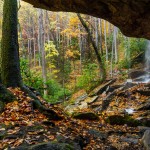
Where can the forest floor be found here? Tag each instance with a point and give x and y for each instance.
(21, 126)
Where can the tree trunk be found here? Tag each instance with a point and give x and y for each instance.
(100, 35)
(80, 47)
(99, 59)
(115, 44)
(96, 33)
(41, 48)
(10, 68)
(106, 41)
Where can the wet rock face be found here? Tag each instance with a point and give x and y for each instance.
(131, 16)
(146, 140)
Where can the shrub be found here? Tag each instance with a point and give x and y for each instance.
(32, 79)
(89, 77)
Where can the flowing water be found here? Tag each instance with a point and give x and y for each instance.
(145, 78)
(147, 63)
(147, 57)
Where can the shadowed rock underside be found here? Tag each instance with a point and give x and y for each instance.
(131, 16)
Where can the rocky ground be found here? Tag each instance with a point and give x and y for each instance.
(113, 116)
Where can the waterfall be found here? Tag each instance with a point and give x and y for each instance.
(145, 77)
(147, 57)
(147, 62)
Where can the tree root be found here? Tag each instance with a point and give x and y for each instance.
(5, 97)
(51, 114)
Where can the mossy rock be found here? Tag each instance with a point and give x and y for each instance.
(145, 122)
(121, 120)
(48, 146)
(35, 128)
(85, 116)
(2, 134)
(1, 106)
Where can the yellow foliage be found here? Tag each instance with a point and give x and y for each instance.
(73, 28)
(69, 54)
(74, 21)
(72, 53)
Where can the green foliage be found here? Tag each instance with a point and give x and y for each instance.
(125, 64)
(29, 77)
(89, 77)
(132, 48)
(137, 46)
(55, 91)
(33, 79)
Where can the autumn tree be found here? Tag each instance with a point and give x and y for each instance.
(41, 40)
(10, 66)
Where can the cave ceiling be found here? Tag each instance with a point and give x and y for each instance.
(132, 17)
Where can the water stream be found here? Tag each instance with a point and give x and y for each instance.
(147, 63)
(145, 78)
(147, 57)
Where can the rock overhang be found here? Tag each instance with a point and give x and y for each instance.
(131, 16)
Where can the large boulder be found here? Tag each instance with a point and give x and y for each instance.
(85, 116)
(146, 139)
(121, 120)
(49, 146)
(136, 74)
(101, 88)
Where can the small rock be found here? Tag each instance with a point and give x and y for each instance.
(136, 73)
(144, 92)
(85, 116)
(81, 98)
(82, 141)
(48, 146)
(91, 100)
(145, 106)
(83, 105)
(76, 142)
(112, 88)
(111, 148)
(71, 109)
(2, 134)
(49, 123)
(130, 140)
(128, 85)
(11, 136)
(98, 134)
